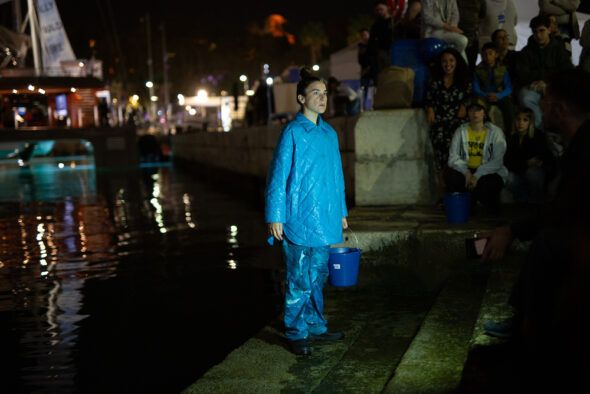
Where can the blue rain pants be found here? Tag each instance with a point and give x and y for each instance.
(307, 271)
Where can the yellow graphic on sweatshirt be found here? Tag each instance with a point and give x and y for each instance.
(475, 143)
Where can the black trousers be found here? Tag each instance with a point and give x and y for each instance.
(487, 190)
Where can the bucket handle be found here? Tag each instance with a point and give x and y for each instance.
(355, 237)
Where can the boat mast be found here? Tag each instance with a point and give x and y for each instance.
(35, 36)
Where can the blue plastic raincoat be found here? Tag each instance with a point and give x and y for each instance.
(305, 192)
(305, 187)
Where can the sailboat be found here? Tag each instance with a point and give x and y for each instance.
(59, 91)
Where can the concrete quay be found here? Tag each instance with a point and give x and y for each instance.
(412, 324)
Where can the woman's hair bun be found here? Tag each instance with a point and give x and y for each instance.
(304, 73)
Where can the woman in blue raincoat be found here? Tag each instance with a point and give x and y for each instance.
(305, 208)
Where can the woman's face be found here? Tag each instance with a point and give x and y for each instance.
(448, 63)
(316, 96)
(522, 123)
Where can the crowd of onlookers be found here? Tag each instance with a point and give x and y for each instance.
(486, 123)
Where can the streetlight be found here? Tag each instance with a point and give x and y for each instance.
(244, 80)
(315, 67)
(152, 111)
(269, 82)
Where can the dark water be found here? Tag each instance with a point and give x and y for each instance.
(134, 281)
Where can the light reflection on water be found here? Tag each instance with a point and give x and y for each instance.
(127, 266)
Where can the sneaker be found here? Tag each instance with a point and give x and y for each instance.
(499, 329)
(300, 347)
(328, 336)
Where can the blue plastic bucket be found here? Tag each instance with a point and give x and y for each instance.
(343, 266)
(457, 206)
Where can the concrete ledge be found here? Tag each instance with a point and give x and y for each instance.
(393, 158)
(249, 151)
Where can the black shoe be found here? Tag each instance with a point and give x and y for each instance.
(328, 336)
(300, 347)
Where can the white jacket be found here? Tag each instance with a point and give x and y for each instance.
(435, 13)
(494, 148)
(500, 14)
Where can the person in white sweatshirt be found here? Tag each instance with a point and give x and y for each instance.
(476, 158)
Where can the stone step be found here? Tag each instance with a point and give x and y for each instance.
(486, 369)
(409, 326)
(434, 360)
(379, 325)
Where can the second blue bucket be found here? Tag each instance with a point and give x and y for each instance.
(343, 266)
(457, 206)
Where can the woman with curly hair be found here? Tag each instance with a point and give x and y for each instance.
(447, 91)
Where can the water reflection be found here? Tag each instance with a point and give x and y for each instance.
(107, 278)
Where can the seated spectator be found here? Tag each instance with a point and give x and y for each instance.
(506, 56)
(471, 12)
(528, 160)
(540, 58)
(447, 91)
(410, 25)
(342, 99)
(564, 12)
(440, 19)
(492, 82)
(555, 33)
(476, 158)
(500, 14)
(380, 38)
(364, 60)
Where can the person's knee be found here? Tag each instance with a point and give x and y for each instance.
(535, 175)
(460, 42)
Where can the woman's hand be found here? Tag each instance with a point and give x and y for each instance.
(276, 230)
(344, 224)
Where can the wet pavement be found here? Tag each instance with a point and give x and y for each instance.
(411, 323)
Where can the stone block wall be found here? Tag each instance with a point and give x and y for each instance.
(386, 155)
(393, 158)
(249, 151)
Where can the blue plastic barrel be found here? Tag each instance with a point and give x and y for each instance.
(343, 266)
(405, 53)
(457, 206)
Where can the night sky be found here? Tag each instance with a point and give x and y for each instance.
(191, 27)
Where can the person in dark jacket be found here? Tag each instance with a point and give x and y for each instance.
(409, 26)
(506, 56)
(528, 159)
(552, 298)
(380, 38)
(471, 12)
(540, 58)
